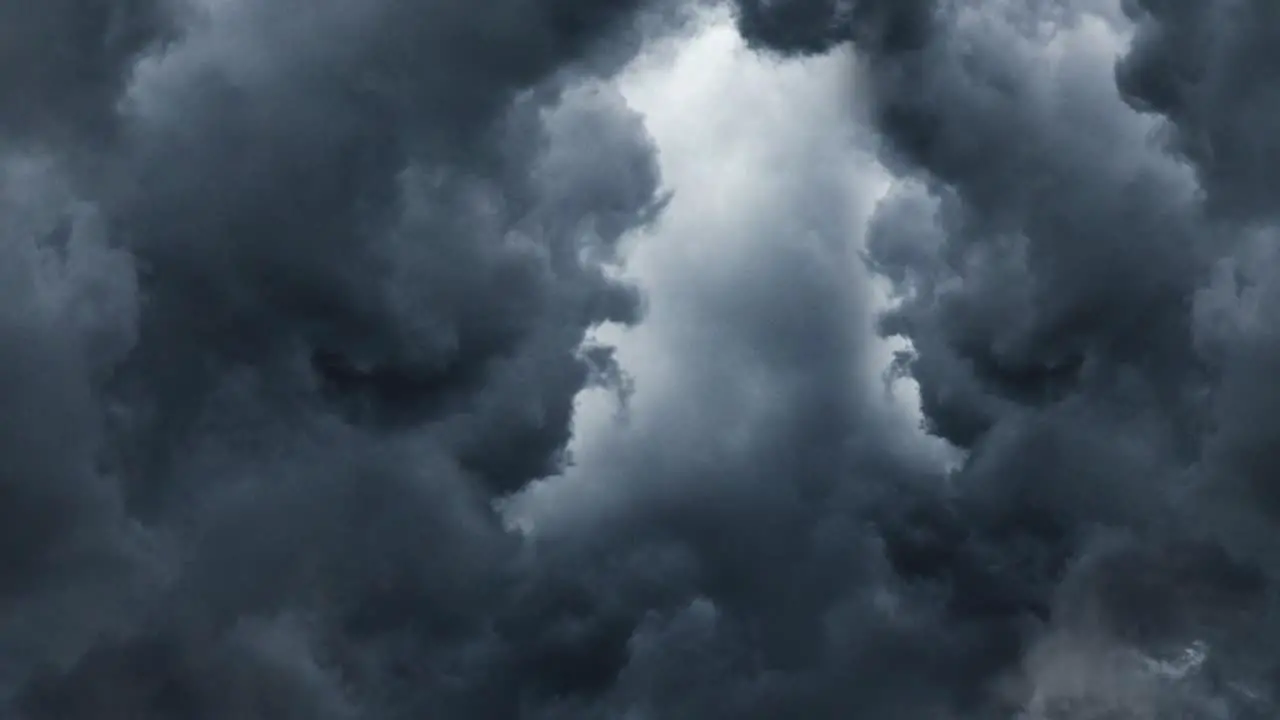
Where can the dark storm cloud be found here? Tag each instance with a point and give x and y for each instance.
(325, 206)
(1207, 72)
(65, 62)
(1073, 327)
(314, 299)
(817, 25)
(1207, 69)
(292, 292)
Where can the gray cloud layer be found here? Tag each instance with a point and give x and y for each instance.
(294, 292)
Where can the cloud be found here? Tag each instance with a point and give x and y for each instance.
(66, 62)
(1074, 293)
(778, 483)
(278, 335)
(377, 360)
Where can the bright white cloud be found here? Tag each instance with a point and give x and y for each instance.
(751, 146)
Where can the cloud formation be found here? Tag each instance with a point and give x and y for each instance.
(1066, 247)
(307, 292)
(302, 302)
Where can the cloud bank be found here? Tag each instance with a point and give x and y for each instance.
(316, 317)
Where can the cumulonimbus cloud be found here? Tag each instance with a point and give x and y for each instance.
(294, 292)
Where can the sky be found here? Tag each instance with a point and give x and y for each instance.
(639, 360)
(742, 140)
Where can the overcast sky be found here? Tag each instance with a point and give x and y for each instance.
(639, 360)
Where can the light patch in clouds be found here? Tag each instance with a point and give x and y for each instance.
(746, 142)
